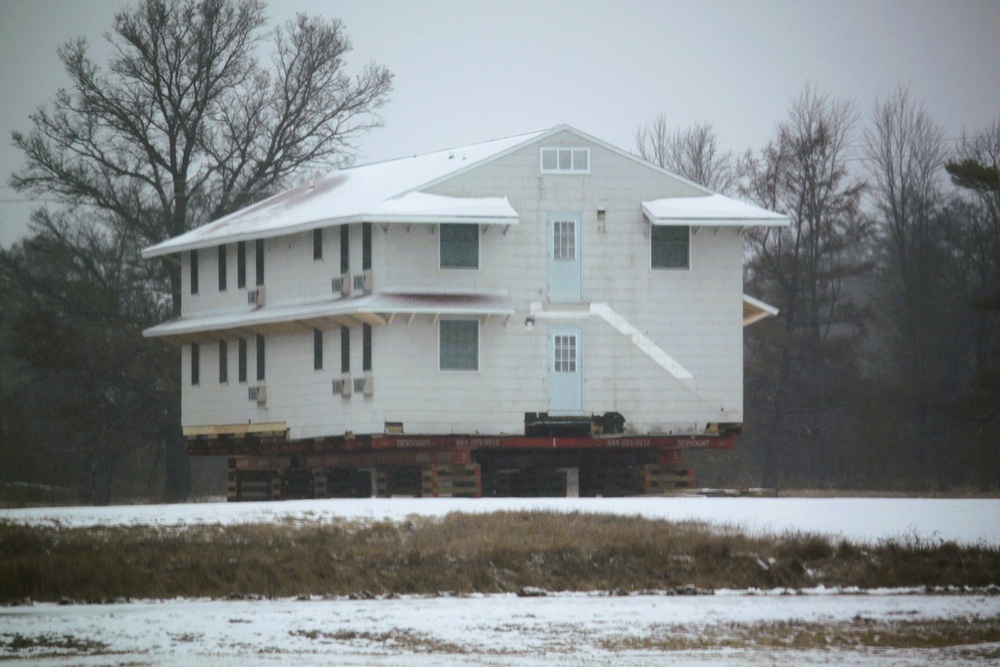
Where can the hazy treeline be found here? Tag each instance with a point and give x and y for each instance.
(882, 369)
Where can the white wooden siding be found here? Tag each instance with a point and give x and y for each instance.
(695, 316)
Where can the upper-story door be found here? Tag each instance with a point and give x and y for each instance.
(565, 260)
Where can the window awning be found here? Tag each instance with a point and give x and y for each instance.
(755, 310)
(710, 211)
(375, 309)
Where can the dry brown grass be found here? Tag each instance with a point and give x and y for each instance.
(462, 554)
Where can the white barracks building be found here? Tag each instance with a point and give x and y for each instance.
(455, 292)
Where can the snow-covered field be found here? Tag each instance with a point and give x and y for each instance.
(861, 519)
(571, 630)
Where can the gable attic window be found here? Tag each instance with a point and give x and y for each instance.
(565, 160)
(459, 246)
(670, 247)
(458, 345)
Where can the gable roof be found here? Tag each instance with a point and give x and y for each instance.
(390, 192)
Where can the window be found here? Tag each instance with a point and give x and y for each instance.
(223, 362)
(317, 349)
(459, 345)
(366, 246)
(243, 359)
(260, 358)
(195, 364)
(241, 265)
(564, 240)
(222, 268)
(345, 249)
(194, 272)
(565, 161)
(345, 350)
(459, 246)
(366, 347)
(565, 353)
(259, 260)
(670, 247)
(317, 244)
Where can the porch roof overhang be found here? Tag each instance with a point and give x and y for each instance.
(755, 310)
(709, 211)
(414, 208)
(375, 309)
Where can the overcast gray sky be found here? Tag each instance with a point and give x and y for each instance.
(480, 69)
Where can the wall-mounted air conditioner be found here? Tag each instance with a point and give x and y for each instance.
(342, 285)
(342, 387)
(256, 297)
(364, 282)
(259, 394)
(364, 385)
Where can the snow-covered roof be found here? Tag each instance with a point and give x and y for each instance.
(382, 192)
(714, 210)
(376, 309)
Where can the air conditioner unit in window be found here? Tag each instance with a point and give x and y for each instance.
(255, 297)
(342, 285)
(342, 387)
(364, 282)
(259, 394)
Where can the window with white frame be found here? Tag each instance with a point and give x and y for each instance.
(459, 345)
(565, 160)
(564, 351)
(459, 246)
(670, 247)
(564, 240)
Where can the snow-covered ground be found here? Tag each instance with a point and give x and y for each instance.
(571, 630)
(861, 519)
(555, 631)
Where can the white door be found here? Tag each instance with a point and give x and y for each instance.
(565, 370)
(564, 261)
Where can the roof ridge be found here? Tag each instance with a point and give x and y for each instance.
(445, 150)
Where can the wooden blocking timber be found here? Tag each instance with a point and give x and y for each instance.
(462, 480)
(380, 486)
(659, 478)
(253, 485)
(320, 479)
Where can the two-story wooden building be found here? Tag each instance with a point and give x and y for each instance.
(413, 314)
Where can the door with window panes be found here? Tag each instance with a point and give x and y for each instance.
(564, 262)
(565, 374)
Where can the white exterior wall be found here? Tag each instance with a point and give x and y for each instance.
(694, 315)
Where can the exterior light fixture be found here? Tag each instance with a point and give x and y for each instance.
(529, 323)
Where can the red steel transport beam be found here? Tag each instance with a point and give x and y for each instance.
(411, 443)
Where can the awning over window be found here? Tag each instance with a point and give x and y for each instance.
(711, 210)
(376, 309)
(755, 310)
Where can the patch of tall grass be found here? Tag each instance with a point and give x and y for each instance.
(462, 554)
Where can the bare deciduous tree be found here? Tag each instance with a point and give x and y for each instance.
(905, 151)
(693, 153)
(185, 124)
(807, 269)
